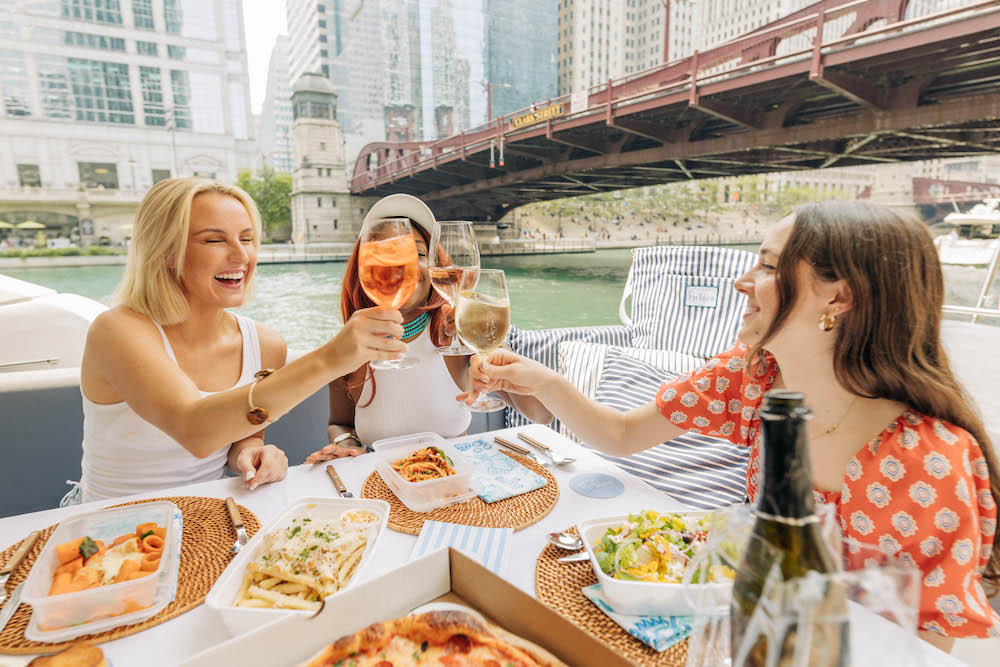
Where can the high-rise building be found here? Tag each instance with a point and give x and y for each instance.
(417, 70)
(99, 99)
(275, 136)
(609, 39)
(521, 53)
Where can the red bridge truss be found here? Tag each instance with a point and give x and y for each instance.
(874, 88)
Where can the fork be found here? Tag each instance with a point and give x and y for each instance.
(241, 533)
(523, 451)
(557, 459)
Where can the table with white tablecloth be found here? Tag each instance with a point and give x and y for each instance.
(182, 637)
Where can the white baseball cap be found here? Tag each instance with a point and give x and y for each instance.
(406, 206)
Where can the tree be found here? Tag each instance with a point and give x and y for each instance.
(272, 191)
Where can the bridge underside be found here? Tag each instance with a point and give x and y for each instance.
(923, 94)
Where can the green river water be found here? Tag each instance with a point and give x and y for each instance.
(302, 301)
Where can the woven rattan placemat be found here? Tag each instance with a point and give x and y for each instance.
(205, 543)
(558, 585)
(517, 512)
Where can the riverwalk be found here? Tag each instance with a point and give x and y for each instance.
(340, 252)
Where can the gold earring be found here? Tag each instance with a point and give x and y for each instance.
(826, 322)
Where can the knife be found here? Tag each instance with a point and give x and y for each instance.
(12, 604)
(572, 558)
(335, 478)
(15, 561)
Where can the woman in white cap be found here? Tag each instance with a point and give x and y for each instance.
(368, 404)
(171, 380)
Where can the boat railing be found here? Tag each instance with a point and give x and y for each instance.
(980, 309)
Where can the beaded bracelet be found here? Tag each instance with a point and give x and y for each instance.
(257, 416)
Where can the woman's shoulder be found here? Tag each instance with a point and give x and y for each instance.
(930, 443)
(118, 322)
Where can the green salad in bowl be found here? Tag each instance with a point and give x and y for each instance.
(656, 547)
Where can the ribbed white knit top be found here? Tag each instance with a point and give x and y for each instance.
(412, 400)
(124, 454)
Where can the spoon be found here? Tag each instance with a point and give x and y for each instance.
(567, 541)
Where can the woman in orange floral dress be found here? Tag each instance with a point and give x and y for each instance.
(844, 304)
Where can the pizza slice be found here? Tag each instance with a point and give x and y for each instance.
(448, 638)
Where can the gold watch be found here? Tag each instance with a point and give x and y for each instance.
(348, 436)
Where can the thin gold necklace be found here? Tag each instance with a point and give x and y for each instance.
(839, 422)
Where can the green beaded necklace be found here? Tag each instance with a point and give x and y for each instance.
(415, 326)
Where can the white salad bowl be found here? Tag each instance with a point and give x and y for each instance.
(647, 598)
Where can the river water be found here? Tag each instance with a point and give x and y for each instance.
(302, 301)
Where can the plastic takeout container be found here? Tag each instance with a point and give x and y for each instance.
(239, 620)
(57, 618)
(429, 494)
(645, 598)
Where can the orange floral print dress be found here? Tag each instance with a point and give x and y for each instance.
(919, 490)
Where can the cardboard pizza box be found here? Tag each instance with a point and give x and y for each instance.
(444, 574)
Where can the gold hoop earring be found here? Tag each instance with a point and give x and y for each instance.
(827, 321)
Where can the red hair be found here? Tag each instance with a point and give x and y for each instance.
(354, 298)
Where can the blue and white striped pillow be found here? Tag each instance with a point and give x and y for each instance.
(683, 298)
(543, 345)
(701, 471)
(582, 363)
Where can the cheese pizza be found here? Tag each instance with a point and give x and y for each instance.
(449, 638)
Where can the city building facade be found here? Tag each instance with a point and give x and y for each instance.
(322, 209)
(100, 99)
(275, 132)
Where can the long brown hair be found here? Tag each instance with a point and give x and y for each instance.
(888, 345)
(353, 298)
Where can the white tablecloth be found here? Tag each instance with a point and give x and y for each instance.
(177, 639)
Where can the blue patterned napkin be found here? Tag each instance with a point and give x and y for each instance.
(497, 476)
(490, 547)
(657, 632)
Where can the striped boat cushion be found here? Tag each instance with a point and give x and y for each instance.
(698, 470)
(582, 363)
(683, 298)
(543, 345)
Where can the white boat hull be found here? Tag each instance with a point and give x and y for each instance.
(967, 252)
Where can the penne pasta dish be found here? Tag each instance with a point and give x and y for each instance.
(304, 562)
(423, 464)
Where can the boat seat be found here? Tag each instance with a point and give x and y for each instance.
(684, 311)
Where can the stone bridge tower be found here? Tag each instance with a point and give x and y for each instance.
(322, 209)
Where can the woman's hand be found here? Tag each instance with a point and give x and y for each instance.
(261, 464)
(333, 451)
(448, 324)
(505, 371)
(370, 334)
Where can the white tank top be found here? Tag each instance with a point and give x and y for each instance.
(124, 454)
(413, 400)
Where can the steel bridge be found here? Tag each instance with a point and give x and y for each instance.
(873, 88)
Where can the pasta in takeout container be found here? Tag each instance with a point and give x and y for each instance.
(118, 593)
(424, 495)
(315, 548)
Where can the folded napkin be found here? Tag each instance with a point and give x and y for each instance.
(490, 547)
(657, 632)
(497, 476)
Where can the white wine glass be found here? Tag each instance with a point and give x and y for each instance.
(454, 266)
(483, 320)
(389, 270)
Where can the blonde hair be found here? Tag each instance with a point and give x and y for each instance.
(150, 285)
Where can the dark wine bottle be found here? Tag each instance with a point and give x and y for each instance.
(787, 532)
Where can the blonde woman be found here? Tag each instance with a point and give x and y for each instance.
(170, 395)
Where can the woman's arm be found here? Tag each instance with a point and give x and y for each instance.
(933, 638)
(250, 458)
(600, 426)
(341, 421)
(124, 350)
